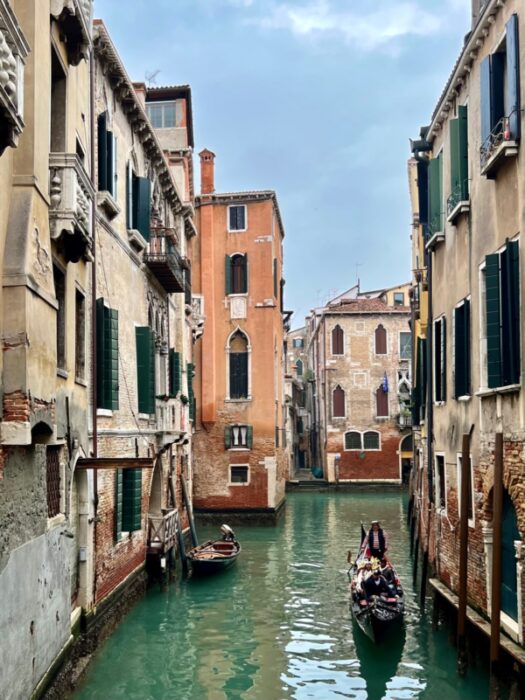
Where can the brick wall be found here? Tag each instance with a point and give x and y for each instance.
(369, 465)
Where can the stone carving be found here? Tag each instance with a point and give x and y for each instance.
(41, 260)
(238, 307)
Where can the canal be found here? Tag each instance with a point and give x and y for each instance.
(278, 624)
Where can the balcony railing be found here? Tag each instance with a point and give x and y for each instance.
(165, 261)
(404, 420)
(74, 17)
(71, 195)
(500, 142)
(458, 201)
(167, 416)
(13, 51)
(162, 532)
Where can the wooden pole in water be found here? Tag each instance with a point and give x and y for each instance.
(497, 517)
(189, 510)
(463, 553)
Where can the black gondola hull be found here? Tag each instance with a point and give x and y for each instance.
(205, 561)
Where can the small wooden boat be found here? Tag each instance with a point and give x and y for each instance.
(215, 555)
(377, 615)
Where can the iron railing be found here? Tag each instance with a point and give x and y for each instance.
(458, 194)
(501, 133)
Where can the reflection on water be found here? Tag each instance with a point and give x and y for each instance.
(278, 625)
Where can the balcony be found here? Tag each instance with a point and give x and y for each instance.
(74, 18)
(168, 420)
(404, 421)
(434, 233)
(13, 51)
(71, 195)
(162, 532)
(165, 261)
(458, 203)
(497, 147)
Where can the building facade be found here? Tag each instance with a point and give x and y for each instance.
(239, 455)
(467, 183)
(297, 414)
(359, 351)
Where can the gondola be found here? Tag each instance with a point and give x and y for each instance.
(378, 616)
(215, 555)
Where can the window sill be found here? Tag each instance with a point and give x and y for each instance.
(439, 403)
(464, 399)
(237, 483)
(146, 416)
(106, 202)
(433, 241)
(238, 449)
(62, 373)
(237, 230)
(244, 400)
(107, 412)
(506, 149)
(56, 520)
(462, 207)
(137, 240)
(509, 389)
(81, 381)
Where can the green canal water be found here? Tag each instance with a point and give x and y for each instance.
(278, 624)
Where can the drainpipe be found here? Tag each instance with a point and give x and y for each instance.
(94, 314)
(497, 515)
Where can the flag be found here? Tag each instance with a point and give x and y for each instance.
(384, 384)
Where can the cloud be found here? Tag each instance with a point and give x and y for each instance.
(366, 30)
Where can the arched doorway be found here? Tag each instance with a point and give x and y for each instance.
(509, 573)
(406, 457)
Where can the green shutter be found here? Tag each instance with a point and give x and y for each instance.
(191, 396)
(443, 354)
(100, 353)
(435, 195)
(245, 269)
(132, 500)
(145, 369)
(510, 313)
(466, 342)
(102, 152)
(249, 436)
(227, 437)
(175, 372)
(107, 357)
(227, 275)
(142, 206)
(462, 350)
(459, 156)
(118, 504)
(492, 293)
(513, 78)
(111, 155)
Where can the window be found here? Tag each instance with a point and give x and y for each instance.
(60, 294)
(298, 343)
(238, 436)
(405, 345)
(191, 396)
(502, 316)
(238, 366)
(420, 386)
(53, 481)
(353, 440)
(58, 105)
(145, 347)
(380, 340)
(382, 410)
(462, 349)
(371, 440)
(399, 299)
(237, 218)
(459, 189)
(338, 341)
(440, 482)
(107, 356)
(128, 501)
(435, 196)
(107, 157)
(162, 115)
(138, 203)
(80, 334)
(440, 359)
(275, 278)
(236, 274)
(238, 474)
(175, 372)
(338, 403)
(470, 490)
(500, 94)
(299, 368)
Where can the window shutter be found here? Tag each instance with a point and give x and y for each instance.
(249, 436)
(435, 195)
(142, 206)
(129, 196)
(191, 396)
(338, 402)
(233, 218)
(228, 273)
(380, 340)
(459, 351)
(245, 274)
(381, 403)
(485, 99)
(241, 217)
(459, 155)
(422, 186)
(275, 285)
(145, 369)
(100, 354)
(227, 437)
(102, 152)
(466, 345)
(114, 163)
(437, 361)
(132, 500)
(175, 372)
(118, 504)
(492, 287)
(107, 357)
(112, 360)
(510, 315)
(513, 78)
(110, 166)
(443, 354)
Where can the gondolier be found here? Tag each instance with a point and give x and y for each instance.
(376, 540)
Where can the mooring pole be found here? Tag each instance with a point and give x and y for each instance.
(497, 517)
(189, 511)
(463, 553)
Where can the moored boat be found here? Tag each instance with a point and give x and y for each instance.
(215, 555)
(376, 614)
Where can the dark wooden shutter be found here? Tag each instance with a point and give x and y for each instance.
(249, 436)
(142, 206)
(129, 197)
(191, 395)
(145, 369)
(245, 273)
(497, 87)
(107, 357)
(513, 78)
(492, 294)
(102, 152)
(443, 354)
(118, 503)
(510, 313)
(227, 274)
(437, 361)
(175, 372)
(485, 101)
(380, 340)
(338, 402)
(422, 187)
(110, 165)
(337, 341)
(132, 500)
(459, 155)
(238, 375)
(381, 402)
(275, 280)
(462, 349)
(435, 195)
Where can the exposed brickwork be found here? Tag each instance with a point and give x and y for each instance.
(368, 465)
(17, 406)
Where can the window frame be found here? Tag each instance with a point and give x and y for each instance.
(362, 448)
(343, 338)
(163, 104)
(442, 508)
(239, 483)
(235, 206)
(338, 386)
(380, 354)
(409, 333)
(442, 398)
(396, 301)
(465, 396)
(372, 449)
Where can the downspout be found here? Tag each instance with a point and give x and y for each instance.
(94, 398)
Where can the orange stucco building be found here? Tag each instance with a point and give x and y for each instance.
(237, 268)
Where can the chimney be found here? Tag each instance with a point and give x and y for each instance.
(140, 91)
(207, 171)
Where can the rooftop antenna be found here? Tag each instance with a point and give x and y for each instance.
(357, 266)
(151, 77)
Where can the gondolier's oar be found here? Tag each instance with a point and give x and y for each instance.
(189, 511)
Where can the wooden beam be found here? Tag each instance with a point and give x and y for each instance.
(116, 463)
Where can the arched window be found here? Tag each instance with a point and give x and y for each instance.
(353, 440)
(299, 368)
(380, 337)
(381, 402)
(371, 440)
(406, 444)
(236, 273)
(338, 402)
(338, 341)
(238, 366)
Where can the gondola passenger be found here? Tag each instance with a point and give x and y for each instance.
(376, 585)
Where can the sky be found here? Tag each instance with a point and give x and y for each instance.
(315, 99)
